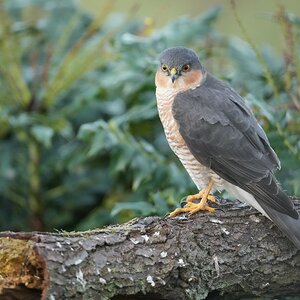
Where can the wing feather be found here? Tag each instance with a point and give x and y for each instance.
(223, 134)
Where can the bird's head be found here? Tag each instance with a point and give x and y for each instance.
(179, 68)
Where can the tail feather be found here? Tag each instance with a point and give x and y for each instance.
(288, 221)
(288, 225)
(269, 192)
(278, 207)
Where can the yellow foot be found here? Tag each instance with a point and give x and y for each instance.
(199, 196)
(192, 207)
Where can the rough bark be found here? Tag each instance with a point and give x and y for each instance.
(231, 254)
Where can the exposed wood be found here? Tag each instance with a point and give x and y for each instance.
(235, 253)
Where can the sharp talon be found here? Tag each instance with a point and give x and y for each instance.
(190, 206)
(220, 209)
(183, 202)
(206, 207)
(166, 216)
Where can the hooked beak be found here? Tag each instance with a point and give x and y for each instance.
(174, 74)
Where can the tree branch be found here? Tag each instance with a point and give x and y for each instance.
(233, 253)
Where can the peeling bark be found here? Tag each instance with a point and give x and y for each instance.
(231, 254)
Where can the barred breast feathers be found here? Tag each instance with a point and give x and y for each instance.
(199, 173)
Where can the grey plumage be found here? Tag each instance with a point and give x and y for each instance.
(223, 135)
(179, 56)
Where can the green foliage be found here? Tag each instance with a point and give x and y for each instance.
(80, 141)
(270, 84)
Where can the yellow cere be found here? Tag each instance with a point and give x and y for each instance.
(173, 71)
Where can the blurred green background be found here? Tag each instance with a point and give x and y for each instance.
(256, 15)
(81, 144)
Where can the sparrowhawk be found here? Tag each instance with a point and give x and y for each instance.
(219, 141)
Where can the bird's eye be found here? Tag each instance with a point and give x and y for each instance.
(186, 68)
(164, 68)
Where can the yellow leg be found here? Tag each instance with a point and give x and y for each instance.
(192, 207)
(199, 196)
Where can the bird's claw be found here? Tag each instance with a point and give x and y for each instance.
(194, 203)
(183, 201)
(191, 208)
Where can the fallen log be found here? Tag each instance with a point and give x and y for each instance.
(232, 254)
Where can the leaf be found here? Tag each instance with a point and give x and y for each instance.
(245, 57)
(142, 207)
(264, 108)
(81, 89)
(43, 135)
(160, 203)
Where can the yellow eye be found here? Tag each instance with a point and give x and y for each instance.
(186, 68)
(164, 68)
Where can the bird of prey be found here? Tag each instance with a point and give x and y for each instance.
(219, 141)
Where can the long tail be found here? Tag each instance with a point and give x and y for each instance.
(288, 225)
(278, 207)
(287, 221)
